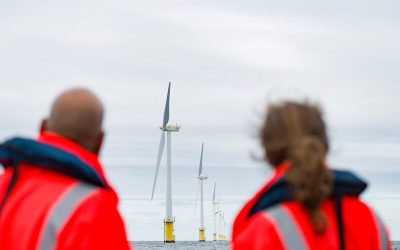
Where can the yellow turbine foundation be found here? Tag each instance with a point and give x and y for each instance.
(169, 236)
(202, 235)
(214, 236)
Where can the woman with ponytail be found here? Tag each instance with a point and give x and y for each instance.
(305, 205)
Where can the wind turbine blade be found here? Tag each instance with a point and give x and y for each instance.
(166, 110)
(201, 160)
(160, 153)
(197, 197)
(215, 184)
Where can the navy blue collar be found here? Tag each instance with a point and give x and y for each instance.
(345, 183)
(42, 155)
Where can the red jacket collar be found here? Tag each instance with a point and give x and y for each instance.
(71, 147)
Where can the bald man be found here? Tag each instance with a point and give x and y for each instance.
(53, 192)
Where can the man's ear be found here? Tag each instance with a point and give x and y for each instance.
(98, 143)
(43, 125)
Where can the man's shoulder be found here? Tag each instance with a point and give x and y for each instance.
(64, 191)
(97, 207)
(85, 206)
(99, 195)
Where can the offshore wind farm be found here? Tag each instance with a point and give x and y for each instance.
(217, 238)
(215, 212)
(169, 219)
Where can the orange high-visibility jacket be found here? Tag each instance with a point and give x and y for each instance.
(56, 197)
(273, 220)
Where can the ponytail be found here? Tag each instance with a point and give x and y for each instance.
(309, 179)
(296, 132)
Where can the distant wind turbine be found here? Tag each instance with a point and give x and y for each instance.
(201, 178)
(169, 235)
(221, 215)
(214, 214)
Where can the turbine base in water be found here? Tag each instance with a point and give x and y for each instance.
(169, 236)
(214, 237)
(202, 235)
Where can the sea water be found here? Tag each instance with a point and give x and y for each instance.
(181, 245)
(194, 245)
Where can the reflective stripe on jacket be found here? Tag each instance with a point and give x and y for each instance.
(60, 211)
(60, 199)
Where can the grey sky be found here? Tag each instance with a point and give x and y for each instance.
(226, 60)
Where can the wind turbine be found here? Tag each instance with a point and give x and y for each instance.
(214, 214)
(169, 236)
(220, 213)
(201, 178)
(223, 226)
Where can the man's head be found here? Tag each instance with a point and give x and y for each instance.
(77, 114)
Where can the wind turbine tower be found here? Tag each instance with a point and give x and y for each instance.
(220, 213)
(169, 235)
(201, 178)
(214, 214)
(223, 226)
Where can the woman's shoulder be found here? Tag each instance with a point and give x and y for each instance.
(258, 232)
(356, 211)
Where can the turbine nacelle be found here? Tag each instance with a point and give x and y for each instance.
(202, 177)
(170, 127)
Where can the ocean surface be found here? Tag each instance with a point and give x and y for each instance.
(181, 245)
(193, 245)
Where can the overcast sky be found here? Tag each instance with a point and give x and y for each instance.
(226, 60)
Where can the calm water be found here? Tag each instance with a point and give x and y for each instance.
(181, 245)
(193, 245)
